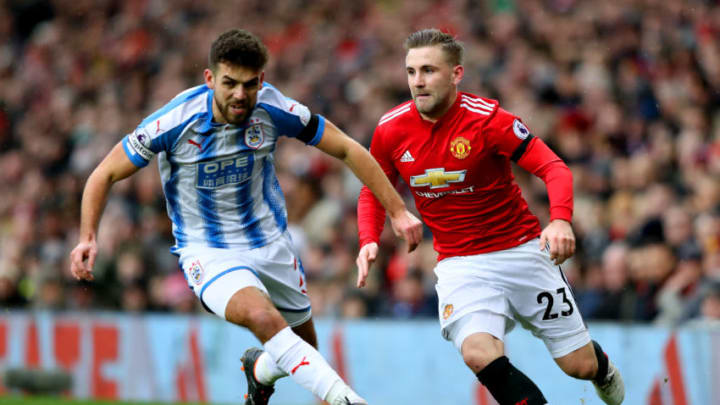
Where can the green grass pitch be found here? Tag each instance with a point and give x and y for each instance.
(25, 400)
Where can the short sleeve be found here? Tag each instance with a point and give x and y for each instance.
(291, 118)
(137, 146)
(159, 131)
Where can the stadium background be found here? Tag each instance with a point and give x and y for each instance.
(627, 92)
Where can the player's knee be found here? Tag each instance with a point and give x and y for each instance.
(583, 368)
(264, 317)
(263, 322)
(477, 356)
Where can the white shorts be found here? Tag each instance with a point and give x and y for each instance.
(216, 274)
(488, 292)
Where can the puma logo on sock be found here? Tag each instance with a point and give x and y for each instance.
(302, 363)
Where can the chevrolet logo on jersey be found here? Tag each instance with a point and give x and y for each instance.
(437, 178)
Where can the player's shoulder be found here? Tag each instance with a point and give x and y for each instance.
(396, 114)
(478, 107)
(270, 95)
(188, 103)
(192, 92)
(275, 102)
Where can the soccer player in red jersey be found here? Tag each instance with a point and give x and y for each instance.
(496, 265)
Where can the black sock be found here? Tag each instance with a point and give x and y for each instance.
(602, 363)
(508, 385)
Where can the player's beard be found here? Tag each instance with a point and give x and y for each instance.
(229, 116)
(433, 105)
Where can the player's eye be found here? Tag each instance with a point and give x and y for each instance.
(251, 84)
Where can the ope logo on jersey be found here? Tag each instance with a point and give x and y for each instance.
(221, 172)
(437, 178)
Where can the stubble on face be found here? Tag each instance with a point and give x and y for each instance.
(233, 111)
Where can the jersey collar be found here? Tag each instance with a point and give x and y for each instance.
(206, 122)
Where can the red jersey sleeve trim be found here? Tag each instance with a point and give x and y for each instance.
(539, 160)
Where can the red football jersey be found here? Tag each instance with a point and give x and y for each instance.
(459, 171)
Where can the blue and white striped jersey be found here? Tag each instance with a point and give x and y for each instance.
(219, 179)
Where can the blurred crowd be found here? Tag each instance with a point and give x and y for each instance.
(626, 92)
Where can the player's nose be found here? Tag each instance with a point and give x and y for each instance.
(417, 81)
(239, 93)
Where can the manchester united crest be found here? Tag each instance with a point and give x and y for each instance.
(460, 147)
(447, 311)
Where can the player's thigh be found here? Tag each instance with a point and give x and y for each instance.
(216, 275)
(541, 299)
(252, 308)
(468, 301)
(282, 273)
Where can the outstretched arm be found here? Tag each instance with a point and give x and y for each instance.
(545, 164)
(335, 143)
(115, 166)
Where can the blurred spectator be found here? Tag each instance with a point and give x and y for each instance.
(616, 295)
(709, 307)
(354, 305)
(408, 298)
(681, 288)
(628, 93)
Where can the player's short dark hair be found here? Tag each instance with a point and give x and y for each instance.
(238, 47)
(433, 36)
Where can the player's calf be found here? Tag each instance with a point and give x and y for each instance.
(306, 366)
(508, 385)
(484, 354)
(608, 381)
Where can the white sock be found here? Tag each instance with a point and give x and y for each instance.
(340, 391)
(266, 371)
(302, 362)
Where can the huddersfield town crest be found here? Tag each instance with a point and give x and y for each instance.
(196, 272)
(254, 136)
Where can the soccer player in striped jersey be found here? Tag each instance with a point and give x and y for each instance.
(496, 266)
(215, 145)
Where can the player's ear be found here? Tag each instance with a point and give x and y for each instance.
(458, 73)
(262, 80)
(208, 74)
